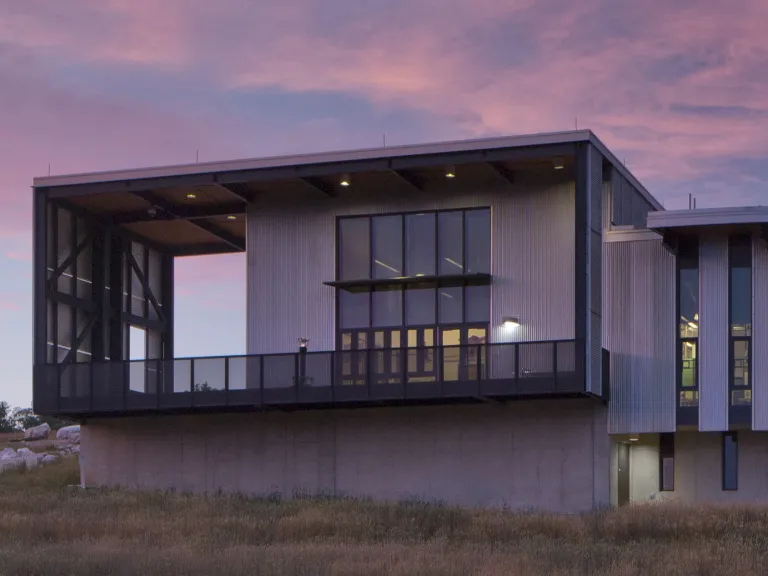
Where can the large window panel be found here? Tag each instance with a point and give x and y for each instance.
(689, 302)
(388, 306)
(420, 250)
(477, 239)
(387, 246)
(354, 249)
(420, 305)
(450, 227)
(451, 305)
(478, 304)
(354, 309)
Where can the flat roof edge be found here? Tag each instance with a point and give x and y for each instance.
(636, 235)
(708, 217)
(520, 141)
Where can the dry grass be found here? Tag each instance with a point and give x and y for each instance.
(48, 529)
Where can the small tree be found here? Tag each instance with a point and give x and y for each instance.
(24, 418)
(6, 418)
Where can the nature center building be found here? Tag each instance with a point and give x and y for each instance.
(500, 322)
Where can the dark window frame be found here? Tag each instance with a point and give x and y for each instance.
(733, 437)
(735, 242)
(688, 252)
(666, 450)
(452, 280)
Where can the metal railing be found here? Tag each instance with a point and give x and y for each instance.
(312, 378)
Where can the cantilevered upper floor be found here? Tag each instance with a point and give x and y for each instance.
(440, 272)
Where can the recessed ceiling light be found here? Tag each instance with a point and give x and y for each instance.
(450, 172)
(345, 180)
(191, 195)
(558, 164)
(231, 217)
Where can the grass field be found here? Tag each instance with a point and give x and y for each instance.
(46, 528)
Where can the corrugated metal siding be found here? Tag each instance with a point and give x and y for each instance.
(628, 205)
(607, 204)
(291, 251)
(713, 333)
(759, 335)
(639, 332)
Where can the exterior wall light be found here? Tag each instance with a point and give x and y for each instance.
(191, 195)
(303, 343)
(633, 438)
(450, 172)
(558, 164)
(345, 180)
(510, 321)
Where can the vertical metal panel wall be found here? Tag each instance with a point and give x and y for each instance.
(628, 205)
(595, 270)
(713, 333)
(639, 332)
(291, 251)
(759, 334)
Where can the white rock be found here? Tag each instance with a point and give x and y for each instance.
(8, 454)
(24, 452)
(10, 463)
(48, 458)
(37, 432)
(75, 449)
(69, 433)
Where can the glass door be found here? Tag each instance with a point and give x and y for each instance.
(386, 357)
(354, 360)
(421, 355)
(463, 352)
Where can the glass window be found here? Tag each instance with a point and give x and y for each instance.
(354, 309)
(388, 306)
(354, 249)
(689, 379)
(420, 245)
(730, 461)
(689, 302)
(450, 305)
(740, 363)
(478, 302)
(420, 305)
(477, 234)
(450, 252)
(741, 302)
(387, 246)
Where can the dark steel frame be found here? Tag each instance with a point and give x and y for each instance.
(724, 461)
(685, 415)
(740, 415)
(106, 318)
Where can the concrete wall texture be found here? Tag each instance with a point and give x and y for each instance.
(549, 455)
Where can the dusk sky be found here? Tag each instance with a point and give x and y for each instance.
(679, 90)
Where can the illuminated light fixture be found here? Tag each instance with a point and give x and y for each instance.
(692, 324)
(510, 321)
(454, 263)
(345, 180)
(191, 195)
(450, 172)
(231, 217)
(303, 342)
(696, 317)
(633, 438)
(387, 266)
(689, 345)
(558, 164)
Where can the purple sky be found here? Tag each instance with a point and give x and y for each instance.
(680, 93)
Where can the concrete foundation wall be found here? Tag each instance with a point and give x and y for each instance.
(550, 455)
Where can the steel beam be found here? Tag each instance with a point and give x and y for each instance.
(179, 213)
(320, 185)
(410, 179)
(212, 229)
(503, 171)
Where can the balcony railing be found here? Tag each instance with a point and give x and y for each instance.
(374, 376)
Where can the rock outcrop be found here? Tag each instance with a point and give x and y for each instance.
(37, 432)
(69, 434)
